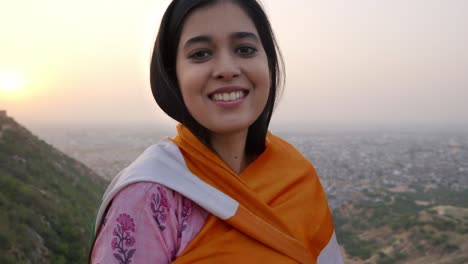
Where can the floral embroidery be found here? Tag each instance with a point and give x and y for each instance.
(186, 211)
(124, 239)
(160, 207)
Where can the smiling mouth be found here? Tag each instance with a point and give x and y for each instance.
(229, 96)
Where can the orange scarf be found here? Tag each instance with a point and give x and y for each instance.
(282, 217)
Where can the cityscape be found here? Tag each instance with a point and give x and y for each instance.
(349, 164)
(396, 197)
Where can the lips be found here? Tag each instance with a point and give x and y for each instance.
(227, 97)
(228, 94)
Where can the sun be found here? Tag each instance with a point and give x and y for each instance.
(11, 83)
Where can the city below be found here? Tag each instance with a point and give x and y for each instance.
(351, 166)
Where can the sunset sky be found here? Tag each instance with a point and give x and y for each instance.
(364, 63)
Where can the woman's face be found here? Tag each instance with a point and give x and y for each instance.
(222, 68)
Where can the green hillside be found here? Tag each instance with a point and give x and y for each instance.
(417, 226)
(47, 200)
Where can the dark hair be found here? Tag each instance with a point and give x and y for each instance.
(163, 77)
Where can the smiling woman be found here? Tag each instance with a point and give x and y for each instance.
(225, 189)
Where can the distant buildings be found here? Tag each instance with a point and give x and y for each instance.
(351, 166)
(362, 166)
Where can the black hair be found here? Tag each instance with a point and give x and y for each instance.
(163, 76)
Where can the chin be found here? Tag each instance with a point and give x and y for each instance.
(230, 128)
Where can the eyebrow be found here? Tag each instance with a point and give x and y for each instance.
(207, 39)
(242, 35)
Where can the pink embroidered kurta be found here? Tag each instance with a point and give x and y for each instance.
(147, 223)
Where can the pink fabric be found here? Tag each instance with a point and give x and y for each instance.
(147, 223)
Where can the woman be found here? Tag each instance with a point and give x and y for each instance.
(224, 190)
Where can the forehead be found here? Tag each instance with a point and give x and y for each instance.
(221, 18)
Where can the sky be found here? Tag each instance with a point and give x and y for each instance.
(358, 64)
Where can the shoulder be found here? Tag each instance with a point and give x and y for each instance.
(155, 165)
(161, 203)
(138, 203)
(155, 222)
(135, 193)
(284, 149)
(277, 141)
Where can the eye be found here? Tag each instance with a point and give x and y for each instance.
(246, 51)
(199, 55)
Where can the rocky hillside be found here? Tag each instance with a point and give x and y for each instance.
(47, 200)
(405, 225)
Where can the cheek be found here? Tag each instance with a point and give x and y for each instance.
(192, 81)
(189, 80)
(260, 72)
(182, 78)
(265, 87)
(262, 79)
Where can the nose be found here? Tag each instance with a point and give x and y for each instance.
(226, 67)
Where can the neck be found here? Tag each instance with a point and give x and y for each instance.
(231, 149)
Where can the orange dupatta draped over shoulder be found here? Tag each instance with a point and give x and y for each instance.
(282, 217)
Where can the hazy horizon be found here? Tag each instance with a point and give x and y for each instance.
(280, 129)
(369, 65)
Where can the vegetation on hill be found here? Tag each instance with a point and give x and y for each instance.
(47, 200)
(421, 226)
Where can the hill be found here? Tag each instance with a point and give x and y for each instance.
(406, 225)
(47, 200)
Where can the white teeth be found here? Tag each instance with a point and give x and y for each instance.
(226, 97)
